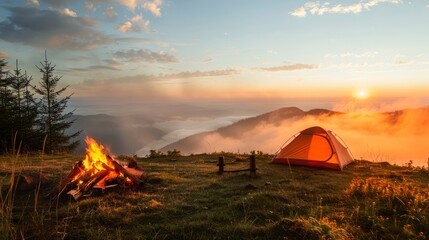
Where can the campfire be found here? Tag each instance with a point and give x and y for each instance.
(100, 171)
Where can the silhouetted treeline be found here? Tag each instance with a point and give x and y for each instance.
(29, 122)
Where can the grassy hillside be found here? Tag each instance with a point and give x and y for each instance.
(185, 198)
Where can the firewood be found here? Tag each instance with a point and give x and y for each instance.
(94, 180)
(77, 168)
(107, 167)
(86, 186)
(84, 177)
(133, 164)
(126, 173)
(140, 174)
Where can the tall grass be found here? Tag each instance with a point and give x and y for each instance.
(395, 208)
(8, 230)
(17, 219)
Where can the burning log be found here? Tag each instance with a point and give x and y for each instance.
(124, 171)
(140, 174)
(76, 170)
(85, 187)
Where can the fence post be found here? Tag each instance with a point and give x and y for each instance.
(220, 164)
(252, 166)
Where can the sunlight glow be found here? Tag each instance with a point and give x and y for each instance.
(362, 94)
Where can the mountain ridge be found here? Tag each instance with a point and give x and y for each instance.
(241, 131)
(245, 125)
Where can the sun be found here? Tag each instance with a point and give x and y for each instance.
(362, 94)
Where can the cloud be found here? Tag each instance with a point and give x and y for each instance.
(110, 13)
(68, 12)
(143, 79)
(145, 55)
(58, 3)
(90, 6)
(403, 62)
(33, 3)
(288, 68)
(299, 12)
(91, 68)
(131, 4)
(110, 65)
(153, 7)
(351, 54)
(135, 24)
(4, 55)
(50, 29)
(208, 60)
(146, 40)
(316, 8)
(355, 66)
(196, 74)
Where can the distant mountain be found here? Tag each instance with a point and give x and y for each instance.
(390, 133)
(239, 129)
(122, 135)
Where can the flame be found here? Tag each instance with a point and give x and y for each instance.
(95, 161)
(95, 156)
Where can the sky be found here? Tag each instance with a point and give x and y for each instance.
(146, 51)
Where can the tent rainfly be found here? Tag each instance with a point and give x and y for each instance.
(314, 147)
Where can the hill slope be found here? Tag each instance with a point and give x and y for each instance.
(187, 199)
(238, 130)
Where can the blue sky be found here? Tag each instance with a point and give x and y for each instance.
(199, 50)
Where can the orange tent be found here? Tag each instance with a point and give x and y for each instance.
(314, 147)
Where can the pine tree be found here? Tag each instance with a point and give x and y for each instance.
(5, 108)
(24, 110)
(4, 83)
(17, 86)
(53, 122)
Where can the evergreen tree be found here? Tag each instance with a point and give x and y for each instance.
(4, 84)
(5, 108)
(24, 110)
(53, 122)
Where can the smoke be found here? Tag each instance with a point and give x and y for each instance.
(396, 137)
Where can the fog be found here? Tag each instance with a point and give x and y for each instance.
(395, 137)
(133, 127)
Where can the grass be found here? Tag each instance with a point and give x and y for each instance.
(187, 199)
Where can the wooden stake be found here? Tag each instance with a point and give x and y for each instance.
(252, 166)
(221, 165)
